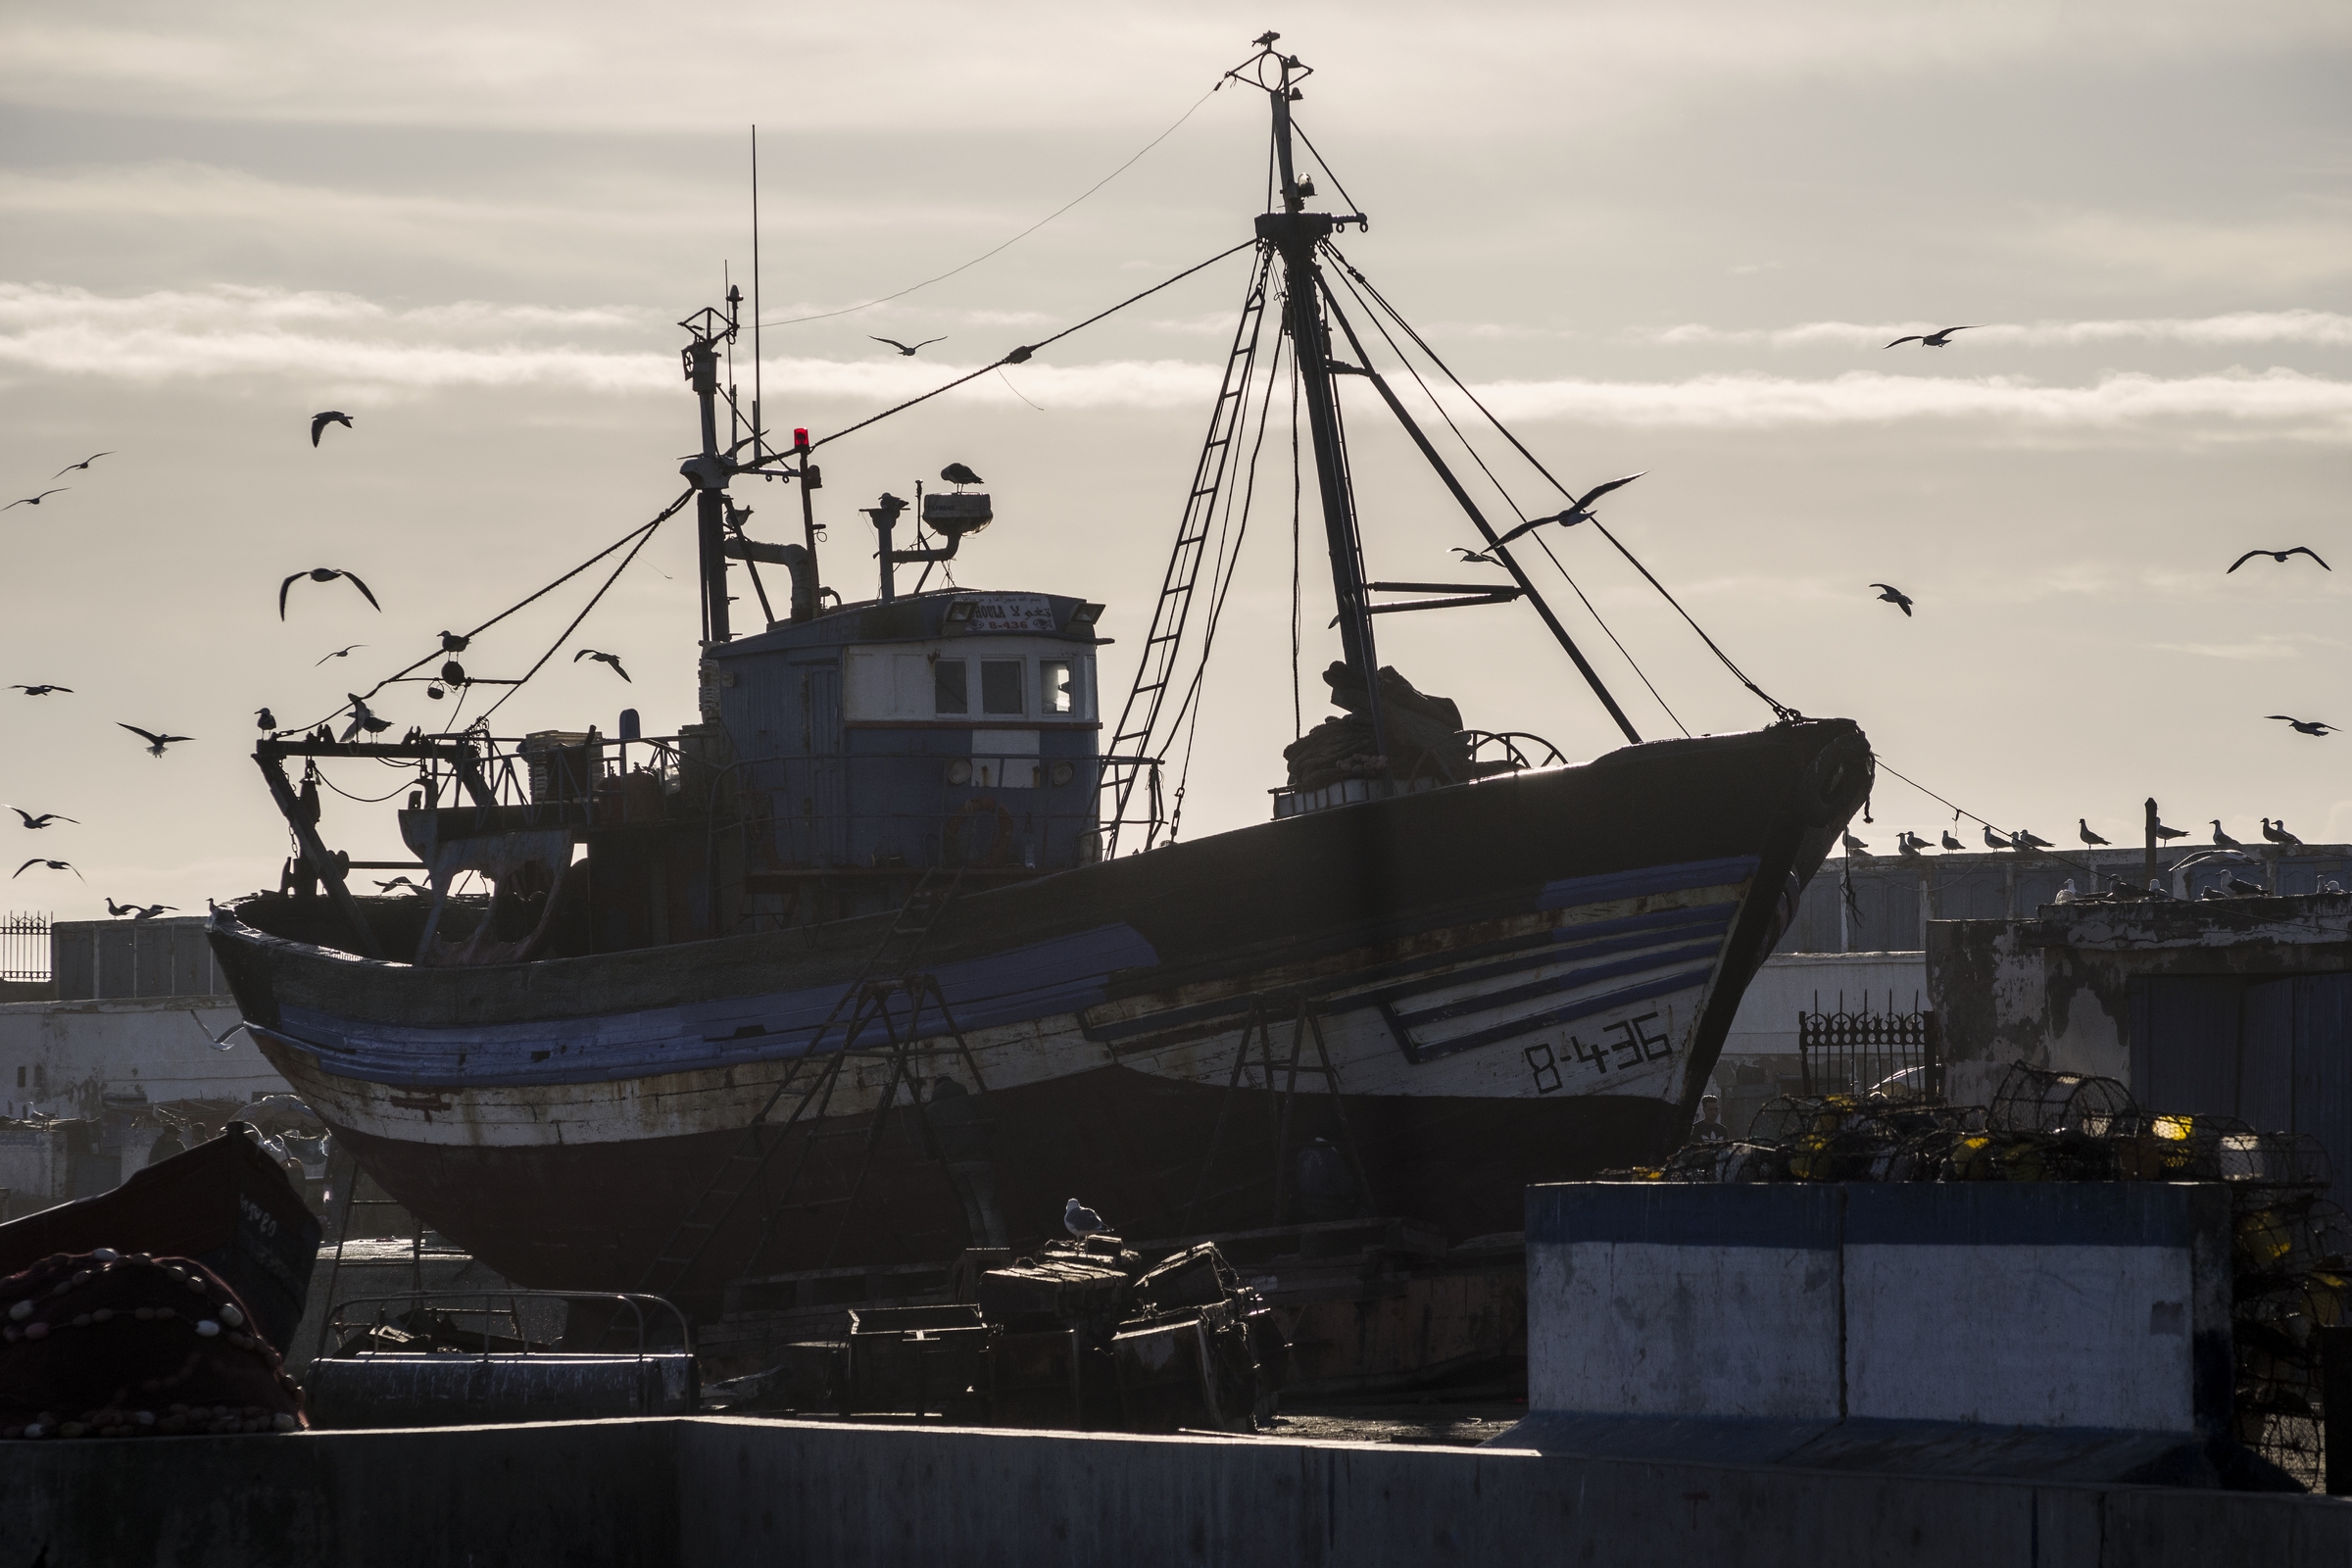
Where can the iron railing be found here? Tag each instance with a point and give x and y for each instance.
(1861, 1052)
(24, 947)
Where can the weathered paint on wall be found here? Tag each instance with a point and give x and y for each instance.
(62, 1058)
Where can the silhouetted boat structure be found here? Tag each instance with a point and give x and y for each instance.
(894, 865)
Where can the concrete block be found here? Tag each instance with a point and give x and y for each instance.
(1671, 1301)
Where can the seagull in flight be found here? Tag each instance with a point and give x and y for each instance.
(1932, 340)
(903, 348)
(2090, 839)
(326, 574)
(1481, 557)
(155, 743)
(143, 911)
(34, 501)
(2304, 726)
(956, 475)
(2279, 555)
(1081, 1221)
(41, 691)
(83, 464)
(602, 658)
(320, 421)
(44, 820)
(1579, 509)
(400, 882)
(362, 717)
(1894, 596)
(341, 653)
(54, 865)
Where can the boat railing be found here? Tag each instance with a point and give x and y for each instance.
(434, 1322)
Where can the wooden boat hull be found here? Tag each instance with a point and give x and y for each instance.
(1521, 980)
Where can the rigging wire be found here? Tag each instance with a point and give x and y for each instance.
(1780, 709)
(1516, 510)
(1879, 761)
(852, 309)
(365, 800)
(1020, 356)
(1301, 133)
(565, 635)
(1297, 700)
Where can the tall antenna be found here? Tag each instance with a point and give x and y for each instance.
(759, 430)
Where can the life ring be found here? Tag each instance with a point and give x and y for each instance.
(999, 845)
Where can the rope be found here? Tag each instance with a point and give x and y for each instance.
(852, 309)
(1516, 510)
(1297, 708)
(1958, 812)
(1780, 709)
(565, 635)
(1022, 356)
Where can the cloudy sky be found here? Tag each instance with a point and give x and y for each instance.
(1666, 237)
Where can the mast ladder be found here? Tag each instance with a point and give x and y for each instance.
(1305, 1023)
(861, 1002)
(1156, 668)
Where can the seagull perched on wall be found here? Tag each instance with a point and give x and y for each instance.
(319, 422)
(1952, 843)
(42, 820)
(2166, 834)
(2247, 889)
(903, 348)
(1894, 596)
(2279, 835)
(2279, 555)
(2222, 840)
(1993, 841)
(2304, 726)
(324, 575)
(1908, 845)
(956, 475)
(1932, 340)
(602, 658)
(155, 743)
(2024, 839)
(1853, 844)
(1579, 509)
(54, 865)
(1081, 1221)
(2090, 839)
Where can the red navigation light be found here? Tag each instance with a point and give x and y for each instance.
(800, 439)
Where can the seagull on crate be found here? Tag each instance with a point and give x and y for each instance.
(1081, 1221)
(602, 658)
(2090, 839)
(1579, 509)
(54, 865)
(39, 691)
(2279, 555)
(1894, 596)
(1952, 843)
(95, 455)
(326, 574)
(155, 743)
(143, 911)
(319, 422)
(903, 348)
(1932, 340)
(956, 475)
(1853, 844)
(2304, 726)
(42, 820)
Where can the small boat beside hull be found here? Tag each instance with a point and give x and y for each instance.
(1519, 980)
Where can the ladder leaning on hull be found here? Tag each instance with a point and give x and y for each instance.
(888, 975)
(1306, 1024)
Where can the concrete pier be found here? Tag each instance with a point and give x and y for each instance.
(705, 1493)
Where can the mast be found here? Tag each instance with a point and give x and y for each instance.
(1295, 232)
(709, 470)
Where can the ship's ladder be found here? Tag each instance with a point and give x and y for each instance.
(866, 1007)
(341, 1160)
(1138, 718)
(1259, 1031)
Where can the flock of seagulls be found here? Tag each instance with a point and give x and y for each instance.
(2024, 842)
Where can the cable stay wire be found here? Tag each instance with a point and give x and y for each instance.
(1516, 510)
(642, 530)
(852, 309)
(1020, 356)
(1879, 761)
(565, 635)
(1780, 709)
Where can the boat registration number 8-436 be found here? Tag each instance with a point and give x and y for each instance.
(1637, 1044)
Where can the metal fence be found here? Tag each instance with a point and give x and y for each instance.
(24, 947)
(1862, 1052)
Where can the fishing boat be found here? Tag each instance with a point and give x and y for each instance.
(892, 952)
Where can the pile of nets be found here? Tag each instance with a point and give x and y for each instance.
(2292, 1247)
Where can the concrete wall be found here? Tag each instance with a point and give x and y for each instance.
(718, 1493)
(2056, 991)
(98, 960)
(62, 1058)
(2027, 1305)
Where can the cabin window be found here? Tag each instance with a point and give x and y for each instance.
(1056, 687)
(949, 695)
(1001, 686)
